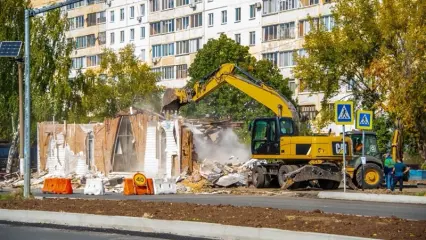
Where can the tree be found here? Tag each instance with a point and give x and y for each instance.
(121, 81)
(50, 64)
(228, 102)
(378, 47)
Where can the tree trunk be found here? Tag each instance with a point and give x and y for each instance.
(13, 151)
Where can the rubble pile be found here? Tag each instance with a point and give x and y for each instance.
(212, 174)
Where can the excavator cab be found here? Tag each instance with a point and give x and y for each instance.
(266, 133)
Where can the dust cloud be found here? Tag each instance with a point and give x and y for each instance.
(227, 148)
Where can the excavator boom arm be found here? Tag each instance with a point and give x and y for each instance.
(254, 88)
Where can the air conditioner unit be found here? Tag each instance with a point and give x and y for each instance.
(139, 18)
(108, 2)
(192, 5)
(258, 5)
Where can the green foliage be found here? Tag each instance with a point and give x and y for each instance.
(50, 64)
(378, 47)
(383, 128)
(121, 81)
(228, 102)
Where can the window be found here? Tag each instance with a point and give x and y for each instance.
(238, 38)
(194, 45)
(269, 6)
(76, 22)
(168, 4)
(308, 111)
(237, 14)
(155, 28)
(155, 5)
(252, 38)
(313, 2)
(80, 42)
(111, 16)
(132, 12)
(196, 20)
(90, 2)
(252, 11)
(270, 33)
(92, 60)
(210, 19)
(78, 63)
(75, 5)
(168, 49)
(305, 26)
(142, 56)
(168, 26)
(286, 59)
(182, 47)
(182, 23)
(102, 38)
(101, 17)
(271, 57)
(288, 5)
(302, 52)
(91, 19)
(112, 38)
(142, 32)
(287, 30)
(181, 71)
(132, 34)
(224, 17)
(327, 22)
(79, 21)
(142, 9)
(91, 40)
(292, 85)
(181, 2)
(122, 14)
(122, 36)
(169, 72)
(156, 51)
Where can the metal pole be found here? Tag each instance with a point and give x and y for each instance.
(27, 170)
(21, 119)
(363, 173)
(344, 160)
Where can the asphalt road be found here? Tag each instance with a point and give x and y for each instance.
(24, 232)
(407, 211)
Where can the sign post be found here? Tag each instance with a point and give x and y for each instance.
(364, 121)
(343, 115)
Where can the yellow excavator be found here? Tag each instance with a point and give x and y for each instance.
(292, 160)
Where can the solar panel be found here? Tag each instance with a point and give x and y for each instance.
(10, 48)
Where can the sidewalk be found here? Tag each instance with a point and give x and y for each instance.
(182, 228)
(371, 197)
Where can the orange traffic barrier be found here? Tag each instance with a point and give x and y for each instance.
(138, 185)
(129, 188)
(57, 186)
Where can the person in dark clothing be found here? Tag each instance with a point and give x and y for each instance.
(399, 170)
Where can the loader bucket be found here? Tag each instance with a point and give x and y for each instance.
(170, 100)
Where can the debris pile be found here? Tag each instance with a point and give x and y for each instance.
(211, 174)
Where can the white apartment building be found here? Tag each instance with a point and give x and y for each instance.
(127, 23)
(168, 33)
(87, 31)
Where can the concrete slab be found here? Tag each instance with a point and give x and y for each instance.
(183, 228)
(373, 197)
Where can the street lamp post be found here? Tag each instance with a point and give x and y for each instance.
(28, 14)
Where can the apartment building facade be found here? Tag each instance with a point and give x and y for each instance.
(168, 33)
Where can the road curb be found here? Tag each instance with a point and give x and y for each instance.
(183, 228)
(373, 197)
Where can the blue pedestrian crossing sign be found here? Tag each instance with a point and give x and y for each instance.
(364, 120)
(344, 112)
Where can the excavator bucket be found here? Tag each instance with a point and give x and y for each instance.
(171, 101)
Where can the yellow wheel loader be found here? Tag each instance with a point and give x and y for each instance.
(292, 160)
